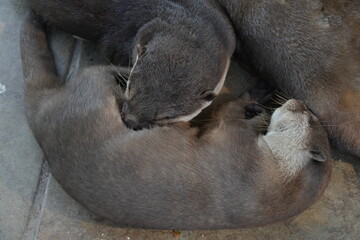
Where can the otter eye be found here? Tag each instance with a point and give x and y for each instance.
(208, 95)
(166, 118)
(164, 115)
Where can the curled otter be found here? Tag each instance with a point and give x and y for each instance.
(180, 50)
(169, 177)
(309, 49)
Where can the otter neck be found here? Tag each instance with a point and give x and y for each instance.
(289, 154)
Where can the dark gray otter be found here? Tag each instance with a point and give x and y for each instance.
(311, 50)
(170, 177)
(180, 50)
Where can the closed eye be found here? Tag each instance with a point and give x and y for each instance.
(165, 118)
(166, 113)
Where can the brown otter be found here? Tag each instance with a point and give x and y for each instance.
(176, 73)
(311, 50)
(169, 177)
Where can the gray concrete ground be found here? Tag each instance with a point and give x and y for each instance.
(33, 205)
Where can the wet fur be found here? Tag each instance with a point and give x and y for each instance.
(310, 50)
(180, 50)
(227, 178)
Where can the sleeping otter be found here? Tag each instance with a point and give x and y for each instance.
(180, 50)
(169, 177)
(311, 50)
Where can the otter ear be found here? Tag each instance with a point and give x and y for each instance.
(146, 33)
(317, 154)
(208, 95)
(141, 49)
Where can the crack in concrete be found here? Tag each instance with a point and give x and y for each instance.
(36, 212)
(34, 218)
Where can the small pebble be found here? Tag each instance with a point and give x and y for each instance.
(2, 88)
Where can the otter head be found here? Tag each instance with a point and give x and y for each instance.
(174, 75)
(296, 137)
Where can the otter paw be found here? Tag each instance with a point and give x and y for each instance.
(262, 93)
(251, 106)
(253, 110)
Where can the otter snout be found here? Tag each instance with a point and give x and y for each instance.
(131, 120)
(295, 105)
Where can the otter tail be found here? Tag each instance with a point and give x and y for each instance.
(39, 69)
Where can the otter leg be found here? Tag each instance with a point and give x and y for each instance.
(40, 74)
(260, 96)
(237, 109)
(38, 65)
(233, 110)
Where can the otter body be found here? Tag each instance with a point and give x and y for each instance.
(180, 50)
(169, 177)
(311, 50)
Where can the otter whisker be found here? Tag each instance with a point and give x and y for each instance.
(132, 69)
(125, 71)
(283, 94)
(266, 107)
(118, 73)
(277, 101)
(280, 99)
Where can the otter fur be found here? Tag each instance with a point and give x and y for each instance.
(169, 177)
(311, 51)
(180, 50)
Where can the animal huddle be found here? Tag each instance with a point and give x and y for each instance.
(127, 155)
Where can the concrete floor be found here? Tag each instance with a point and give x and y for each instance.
(33, 205)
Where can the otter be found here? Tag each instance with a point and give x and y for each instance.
(180, 50)
(169, 177)
(311, 51)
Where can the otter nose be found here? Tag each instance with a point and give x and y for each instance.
(296, 105)
(134, 121)
(130, 121)
(125, 108)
